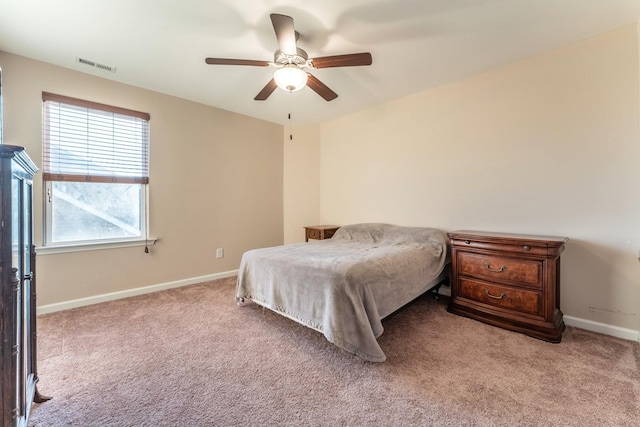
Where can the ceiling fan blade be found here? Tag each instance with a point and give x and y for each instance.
(226, 61)
(321, 89)
(285, 33)
(349, 60)
(266, 91)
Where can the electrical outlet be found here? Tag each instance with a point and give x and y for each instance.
(220, 253)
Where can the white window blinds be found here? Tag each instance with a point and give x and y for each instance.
(85, 141)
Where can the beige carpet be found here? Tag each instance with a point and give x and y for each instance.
(191, 357)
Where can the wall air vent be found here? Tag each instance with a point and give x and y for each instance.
(95, 64)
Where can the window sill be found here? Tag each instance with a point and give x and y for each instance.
(93, 246)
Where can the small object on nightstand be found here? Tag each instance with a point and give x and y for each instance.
(508, 280)
(319, 232)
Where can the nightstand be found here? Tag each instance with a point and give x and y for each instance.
(508, 280)
(319, 232)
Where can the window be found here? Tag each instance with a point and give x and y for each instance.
(95, 170)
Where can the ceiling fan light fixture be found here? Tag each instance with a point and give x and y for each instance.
(290, 78)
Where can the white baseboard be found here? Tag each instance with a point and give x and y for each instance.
(589, 325)
(445, 290)
(603, 328)
(66, 305)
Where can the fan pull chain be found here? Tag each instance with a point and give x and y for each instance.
(289, 117)
(290, 131)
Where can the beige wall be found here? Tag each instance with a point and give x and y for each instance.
(549, 145)
(215, 181)
(301, 181)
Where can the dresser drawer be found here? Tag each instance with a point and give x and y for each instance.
(517, 271)
(521, 300)
(522, 248)
(313, 233)
(328, 233)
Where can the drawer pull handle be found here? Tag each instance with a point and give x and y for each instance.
(503, 268)
(502, 295)
(467, 242)
(526, 247)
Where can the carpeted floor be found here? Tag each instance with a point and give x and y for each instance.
(191, 357)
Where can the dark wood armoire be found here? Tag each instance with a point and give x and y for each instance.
(18, 288)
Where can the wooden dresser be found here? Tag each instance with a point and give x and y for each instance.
(319, 232)
(508, 280)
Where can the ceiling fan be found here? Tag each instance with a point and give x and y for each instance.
(291, 62)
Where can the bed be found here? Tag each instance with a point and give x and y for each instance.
(344, 286)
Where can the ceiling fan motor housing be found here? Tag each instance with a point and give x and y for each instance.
(299, 59)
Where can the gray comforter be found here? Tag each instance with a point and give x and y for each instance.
(345, 285)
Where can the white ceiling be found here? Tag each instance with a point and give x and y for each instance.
(416, 44)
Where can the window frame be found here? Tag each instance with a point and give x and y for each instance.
(48, 245)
